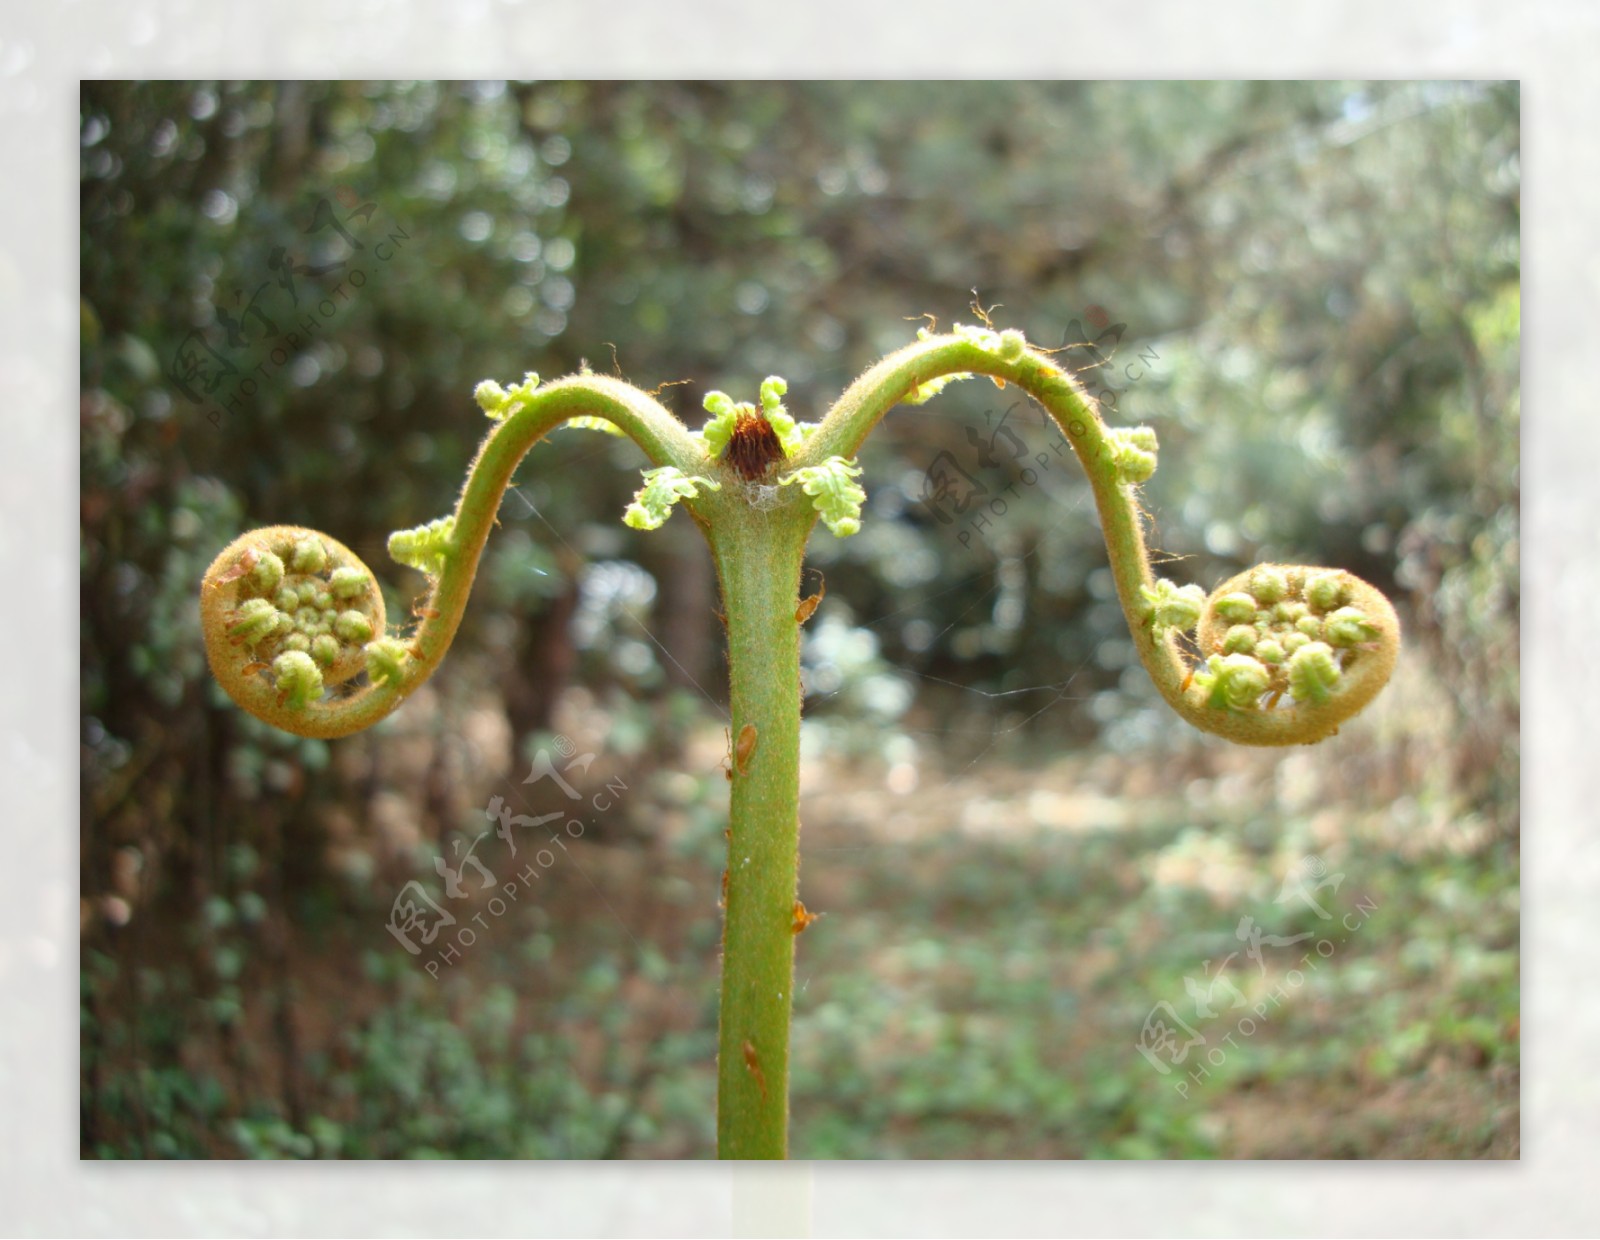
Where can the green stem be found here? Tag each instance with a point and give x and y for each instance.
(758, 562)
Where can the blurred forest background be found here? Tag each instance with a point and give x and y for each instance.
(289, 291)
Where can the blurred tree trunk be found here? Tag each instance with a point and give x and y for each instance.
(685, 604)
(291, 138)
(544, 664)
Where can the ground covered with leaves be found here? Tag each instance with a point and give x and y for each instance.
(1318, 949)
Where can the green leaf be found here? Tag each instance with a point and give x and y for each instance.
(587, 422)
(497, 403)
(924, 392)
(834, 493)
(424, 547)
(1133, 449)
(772, 393)
(1171, 607)
(1349, 626)
(1234, 681)
(663, 488)
(791, 434)
(724, 413)
(1313, 672)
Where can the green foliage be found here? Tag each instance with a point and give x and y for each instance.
(1134, 450)
(1233, 681)
(927, 391)
(966, 993)
(663, 488)
(424, 548)
(835, 494)
(1313, 671)
(719, 428)
(1173, 607)
(982, 996)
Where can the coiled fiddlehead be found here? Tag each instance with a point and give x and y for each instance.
(1319, 643)
(288, 613)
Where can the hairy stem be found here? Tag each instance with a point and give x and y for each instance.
(758, 562)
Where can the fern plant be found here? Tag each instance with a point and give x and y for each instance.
(295, 627)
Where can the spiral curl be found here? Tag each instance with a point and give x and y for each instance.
(288, 615)
(1291, 652)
